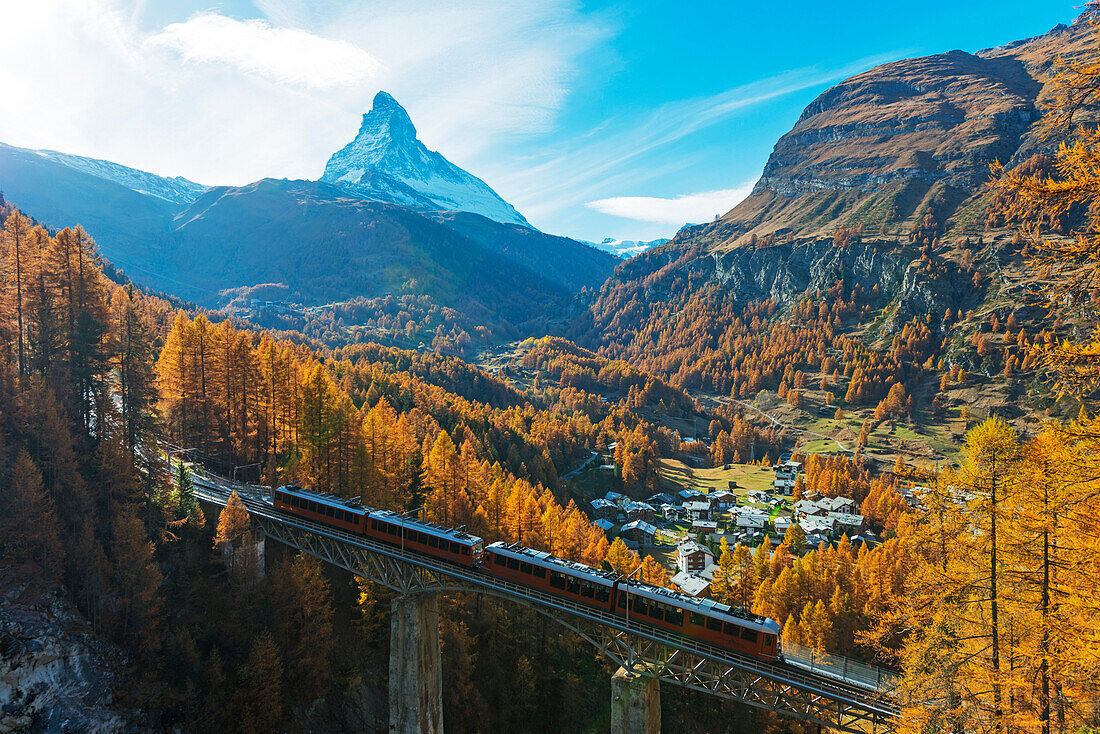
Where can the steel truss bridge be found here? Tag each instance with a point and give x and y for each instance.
(839, 694)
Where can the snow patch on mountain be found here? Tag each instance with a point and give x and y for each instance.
(387, 162)
(177, 190)
(627, 249)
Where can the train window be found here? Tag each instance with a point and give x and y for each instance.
(730, 629)
(603, 593)
(674, 616)
(696, 619)
(557, 580)
(524, 567)
(465, 550)
(433, 542)
(588, 589)
(499, 560)
(748, 635)
(622, 600)
(373, 524)
(769, 640)
(454, 547)
(540, 572)
(330, 511)
(513, 563)
(714, 624)
(573, 585)
(393, 530)
(656, 610)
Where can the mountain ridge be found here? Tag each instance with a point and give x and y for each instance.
(387, 162)
(883, 148)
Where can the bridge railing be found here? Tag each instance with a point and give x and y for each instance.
(837, 666)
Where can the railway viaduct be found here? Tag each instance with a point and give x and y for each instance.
(830, 691)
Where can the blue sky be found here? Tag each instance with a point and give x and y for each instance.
(596, 119)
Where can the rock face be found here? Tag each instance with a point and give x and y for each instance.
(55, 676)
(886, 146)
(387, 162)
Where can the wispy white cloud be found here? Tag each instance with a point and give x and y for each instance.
(620, 152)
(679, 210)
(285, 55)
(225, 100)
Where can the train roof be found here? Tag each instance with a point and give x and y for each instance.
(328, 499)
(542, 558)
(440, 531)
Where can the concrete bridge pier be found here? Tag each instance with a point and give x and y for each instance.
(416, 683)
(635, 703)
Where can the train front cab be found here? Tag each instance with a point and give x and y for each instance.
(710, 630)
(732, 636)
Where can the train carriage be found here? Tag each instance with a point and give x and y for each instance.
(425, 537)
(702, 619)
(545, 572)
(325, 508)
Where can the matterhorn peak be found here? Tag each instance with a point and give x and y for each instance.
(386, 118)
(387, 162)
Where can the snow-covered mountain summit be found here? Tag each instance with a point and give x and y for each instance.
(386, 162)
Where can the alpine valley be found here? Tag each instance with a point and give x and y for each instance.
(372, 453)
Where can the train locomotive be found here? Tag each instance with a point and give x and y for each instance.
(703, 620)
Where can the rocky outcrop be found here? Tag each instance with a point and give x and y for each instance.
(886, 146)
(55, 675)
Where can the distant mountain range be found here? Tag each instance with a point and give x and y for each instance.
(387, 216)
(627, 249)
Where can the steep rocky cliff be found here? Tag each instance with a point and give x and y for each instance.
(55, 675)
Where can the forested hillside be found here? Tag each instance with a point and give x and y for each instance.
(917, 338)
(98, 378)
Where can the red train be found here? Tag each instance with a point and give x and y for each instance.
(704, 620)
(390, 527)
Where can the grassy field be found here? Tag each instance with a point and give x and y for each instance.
(676, 476)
